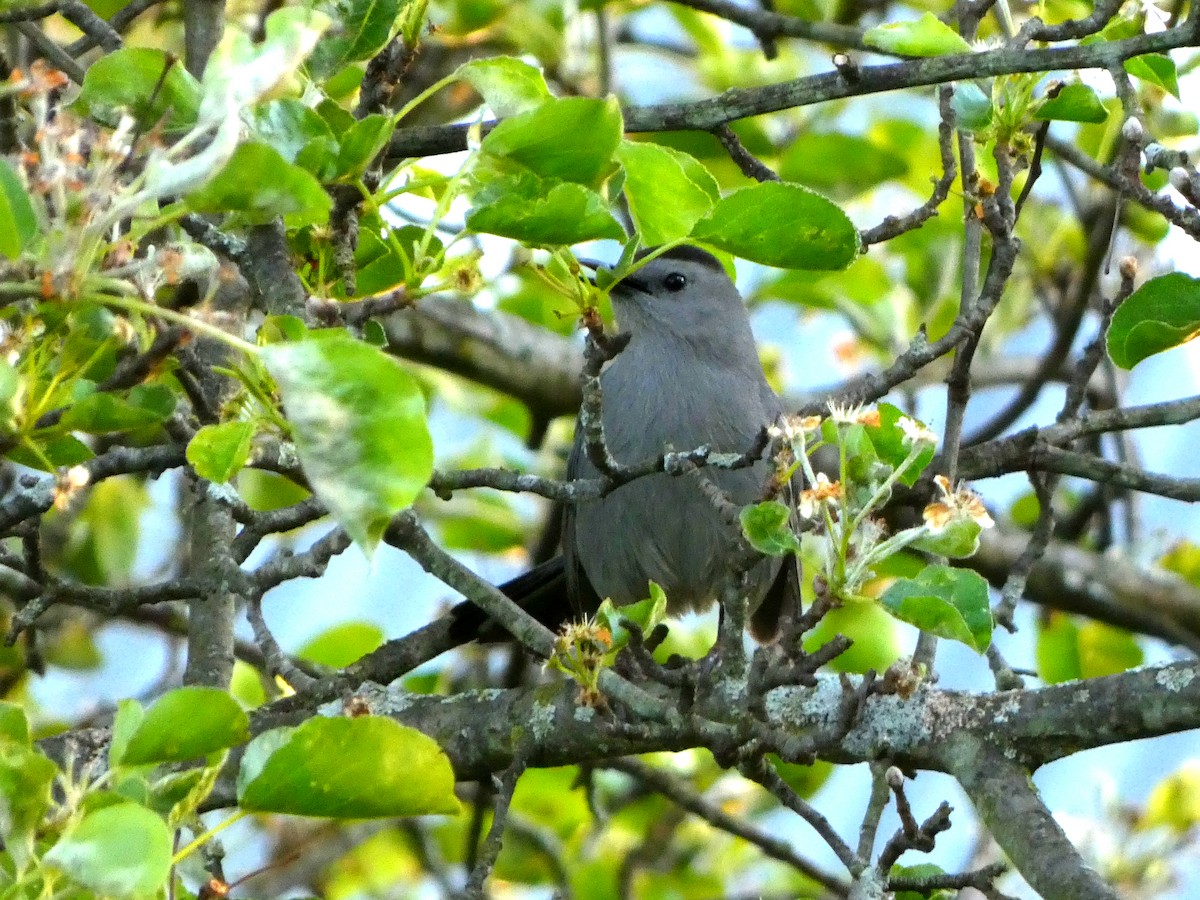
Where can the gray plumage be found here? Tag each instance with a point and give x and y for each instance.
(690, 375)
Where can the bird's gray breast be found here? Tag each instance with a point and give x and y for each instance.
(664, 528)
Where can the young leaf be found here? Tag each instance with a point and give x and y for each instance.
(1075, 102)
(342, 644)
(668, 191)
(361, 768)
(888, 441)
(18, 221)
(572, 139)
(928, 36)
(359, 426)
(767, 528)
(183, 724)
(815, 160)
(218, 452)
(783, 225)
(1156, 69)
(122, 851)
(949, 603)
(1161, 314)
(508, 85)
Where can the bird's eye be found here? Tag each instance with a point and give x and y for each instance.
(675, 282)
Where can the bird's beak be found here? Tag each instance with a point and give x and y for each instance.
(628, 283)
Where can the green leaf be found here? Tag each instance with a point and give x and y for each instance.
(1161, 314)
(572, 139)
(122, 850)
(1156, 69)
(1075, 102)
(342, 644)
(645, 614)
(361, 29)
(928, 36)
(668, 191)
(972, 107)
(1175, 801)
(359, 425)
(946, 602)
(541, 211)
(362, 143)
(1057, 649)
(293, 129)
(153, 86)
(817, 160)
(58, 450)
(888, 441)
(183, 724)
(922, 870)
(25, 779)
(354, 768)
(101, 413)
(783, 225)
(261, 185)
(767, 527)
(18, 221)
(508, 85)
(1107, 650)
(218, 452)
(14, 724)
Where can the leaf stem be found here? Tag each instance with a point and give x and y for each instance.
(201, 839)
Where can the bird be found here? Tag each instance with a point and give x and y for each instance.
(688, 376)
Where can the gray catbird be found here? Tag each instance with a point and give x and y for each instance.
(689, 376)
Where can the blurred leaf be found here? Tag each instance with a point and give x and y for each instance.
(946, 602)
(25, 779)
(361, 768)
(1075, 102)
(668, 191)
(361, 29)
(928, 36)
(547, 139)
(261, 185)
(218, 452)
(359, 425)
(105, 536)
(1183, 559)
(18, 221)
(1174, 802)
(805, 779)
(1161, 314)
(767, 526)
(1057, 649)
(342, 644)
(122, 850)
(264, 491)
(783, 225)
(1156, 69)
(72, 646)
(183, 724)
(508, 86)
(922, 870)
(817, 160)
(246, 686)
(972, 107)
(1107, 650)
(152, 85)
(14, 724)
